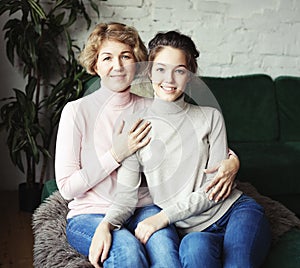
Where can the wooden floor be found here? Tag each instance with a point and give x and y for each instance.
(16, 240)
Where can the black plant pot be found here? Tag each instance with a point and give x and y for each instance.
(29, 196)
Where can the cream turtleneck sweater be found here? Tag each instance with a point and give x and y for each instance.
(185, 139)
(84, 167)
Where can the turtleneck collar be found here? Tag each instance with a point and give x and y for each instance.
(165, 107)
(117, 100)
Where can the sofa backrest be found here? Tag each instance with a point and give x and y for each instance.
(92, 85)
(288, 97)
(249, 106)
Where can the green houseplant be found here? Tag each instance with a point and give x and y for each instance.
(38, 37)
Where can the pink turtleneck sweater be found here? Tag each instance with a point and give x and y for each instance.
(84, 167)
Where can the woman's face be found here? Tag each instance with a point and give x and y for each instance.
(115, 65)
(169, 73)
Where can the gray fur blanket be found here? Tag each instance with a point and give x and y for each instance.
(51, 249)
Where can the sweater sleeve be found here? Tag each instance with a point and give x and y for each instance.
(72, 178)
(126, 198)
(198, 202)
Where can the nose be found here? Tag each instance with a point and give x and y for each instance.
(168, 77)
(117, 64)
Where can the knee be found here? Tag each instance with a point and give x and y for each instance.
(166, 236)
(131, 248)
(194, 243)
(200, 249)
(162, 248)
(126, 251)
(164, 241)
(131, 255)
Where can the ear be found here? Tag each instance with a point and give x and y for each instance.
(150, 76)
(95, 69)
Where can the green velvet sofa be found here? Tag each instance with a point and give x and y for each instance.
(262, 118)
(263, 126)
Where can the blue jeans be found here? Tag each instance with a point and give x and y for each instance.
(241, 238)
(161, 250)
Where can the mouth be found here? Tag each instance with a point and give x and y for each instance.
(118, 75)
(168, 89)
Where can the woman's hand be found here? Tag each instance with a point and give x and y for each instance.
(100, 245)
(150, 225)
(224, 179)
(125, 144)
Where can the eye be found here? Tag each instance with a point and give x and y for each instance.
(106, 58)
(126, 57)
(159, 69)
(180, 71)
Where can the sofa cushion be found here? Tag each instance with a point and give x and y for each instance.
(249, 106)
(285, 253)
(288, 96)
(271, 167)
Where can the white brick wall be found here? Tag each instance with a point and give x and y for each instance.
(234, 36)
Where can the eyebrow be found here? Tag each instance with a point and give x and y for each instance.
(109, 53)
(163, 64)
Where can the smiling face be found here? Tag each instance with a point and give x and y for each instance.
(115, 65)
(169, 73)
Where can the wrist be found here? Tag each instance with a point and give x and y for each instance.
(236, 161)
(114, 155)
(106, 225)
(163, 218)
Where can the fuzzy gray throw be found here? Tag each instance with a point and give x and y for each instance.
(51, 249)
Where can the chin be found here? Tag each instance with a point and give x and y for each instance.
(119, 87)
(168, 98)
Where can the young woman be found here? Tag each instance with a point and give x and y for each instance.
(230, 233)
(89, 152)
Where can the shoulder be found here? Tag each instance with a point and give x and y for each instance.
(142, 102)
(204, 109)
(210, 115)
(85, 100)
(83, 107)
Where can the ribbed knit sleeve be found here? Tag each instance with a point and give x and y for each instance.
(126, 198)
(72, 178)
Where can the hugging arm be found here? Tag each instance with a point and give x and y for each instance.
(223, 181)
(126, 197)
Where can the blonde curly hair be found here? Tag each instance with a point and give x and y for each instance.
(111, 31)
